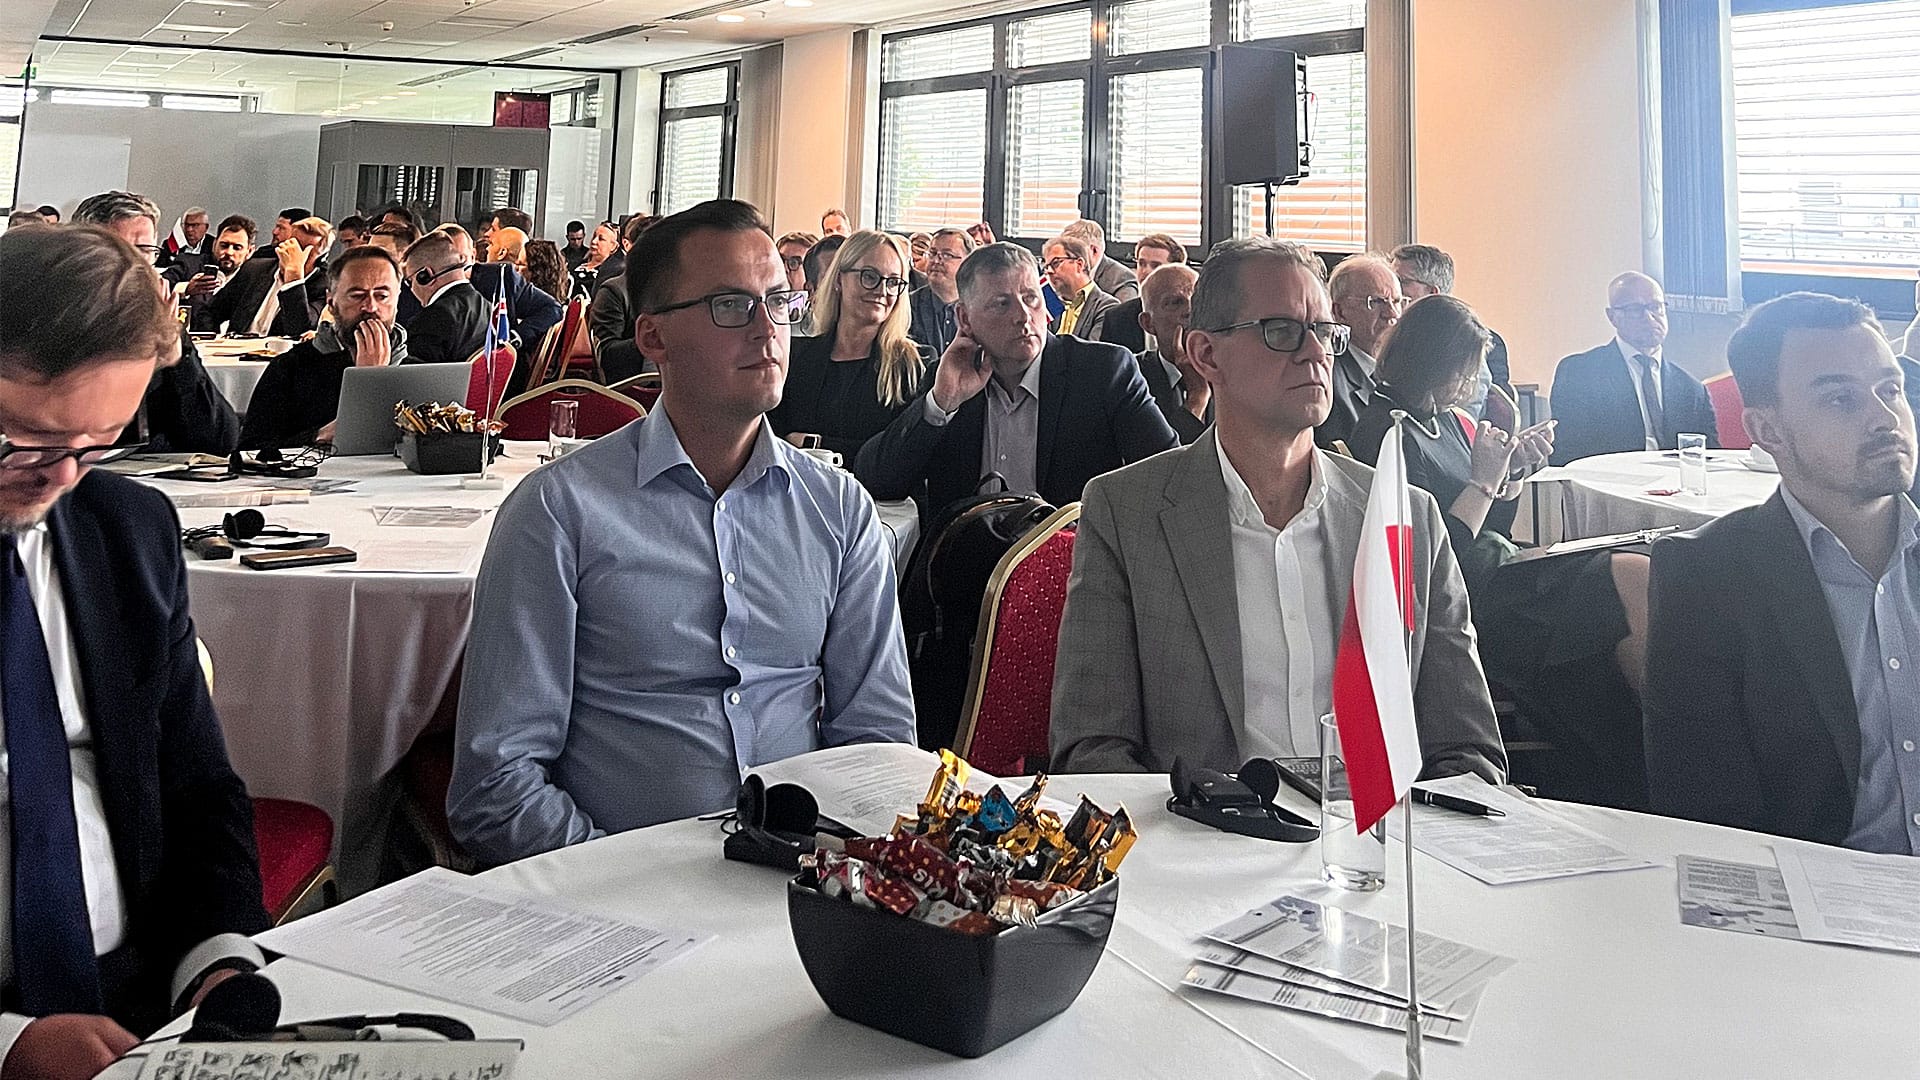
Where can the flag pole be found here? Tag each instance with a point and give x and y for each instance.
(1414, 1034)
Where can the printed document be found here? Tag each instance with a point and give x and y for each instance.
(1531, 843)
(409, 1060)
(1735, 896)
(1853, 897)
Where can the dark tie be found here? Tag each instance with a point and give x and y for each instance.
(1650, 393)
(54, 968)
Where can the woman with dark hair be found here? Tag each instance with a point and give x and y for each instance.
(1564, 637)
(547, 269)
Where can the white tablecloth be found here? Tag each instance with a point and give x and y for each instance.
(324, 677)
(235, 379)
(1608, 982)
(1609, 494)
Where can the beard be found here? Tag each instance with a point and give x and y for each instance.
(1873, 473)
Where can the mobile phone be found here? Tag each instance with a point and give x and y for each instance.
(1302, 774)
(287, 560)
(980, 359)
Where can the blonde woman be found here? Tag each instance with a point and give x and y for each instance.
(850, 378)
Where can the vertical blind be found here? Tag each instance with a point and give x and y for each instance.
(1827, 138)
(933, 153)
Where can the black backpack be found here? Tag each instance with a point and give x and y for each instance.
(941, 593)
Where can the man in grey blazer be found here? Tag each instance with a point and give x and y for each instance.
(1209, 582)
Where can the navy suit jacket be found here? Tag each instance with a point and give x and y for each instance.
(1599, 413)
(1095, 416)
(179, 818)
(1122, 327)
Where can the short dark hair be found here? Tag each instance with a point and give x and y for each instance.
(75, 296)
(237, 221)
(1754, 350)
(1218, 296)
(1435, 346)
(576, 225)
(354, 222)
(401, 212)
(835, 211)
(1168, 244)
(1431, 266)
(111, 206)
(47, 210)
(633, 226)
(359, 254)
(296, 213)
(994, 258)
(814, 263)
(400, 230)
(654, 262)
(512, 217)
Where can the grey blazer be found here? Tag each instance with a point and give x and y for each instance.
(1149, 664)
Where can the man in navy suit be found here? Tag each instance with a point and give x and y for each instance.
(1046, 412)
(132, 882)
(1625, 395)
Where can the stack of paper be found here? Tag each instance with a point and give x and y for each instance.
(1310, 958)
(1818, 893)
(1528, 843)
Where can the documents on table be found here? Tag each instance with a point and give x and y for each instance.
(1314, 958)
(1530, 843)
(185, 495)
(429, 517)
(491, 1059)
(1853, 897)
(413, 555)
(466, 941)
(1734, 896)
(865, 786)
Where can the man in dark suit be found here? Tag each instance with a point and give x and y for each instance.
(1047, 413)
(530, 311)
(1183, 394)
(1067, 263)
(1113, 276)
(134, 881)
(1367, 297)
(1150, 253)
(935, 323)
(1624, 395)
(452, 324)
(1782, 691)
(282, 296)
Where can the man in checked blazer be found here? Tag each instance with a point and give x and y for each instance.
(1210, 582)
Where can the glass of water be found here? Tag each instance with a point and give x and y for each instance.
(1349, 858)
(1693, 463)
(563, 424)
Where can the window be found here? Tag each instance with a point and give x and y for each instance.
(1328, 210)
(1102, 109)
(13, 103)
(698, 111)
(1827, 150)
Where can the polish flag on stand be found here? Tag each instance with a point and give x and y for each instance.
(1372, 679)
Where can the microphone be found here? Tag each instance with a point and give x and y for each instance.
(241, 1009)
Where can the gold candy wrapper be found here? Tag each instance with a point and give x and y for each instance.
(432, 418)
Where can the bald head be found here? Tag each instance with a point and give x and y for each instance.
(1366, 296)
(1637, 308)
(1166, 301)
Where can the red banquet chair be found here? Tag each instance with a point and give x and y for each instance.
(602, 411)
(1009, 705)
(1724, 393)
(501, 361)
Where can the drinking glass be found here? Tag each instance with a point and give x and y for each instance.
(1349, 859)
(1693, 463)
(563, 424)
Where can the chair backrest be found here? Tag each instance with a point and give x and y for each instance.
(1724, 393)
(577, 359)
(643, 388)
(543, 367)
(602, 411)
(501, 361)
(1009, 706)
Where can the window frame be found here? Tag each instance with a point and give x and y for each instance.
(1216, 206)
(728, 111)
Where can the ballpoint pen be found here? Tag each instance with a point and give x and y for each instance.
(1455, 804)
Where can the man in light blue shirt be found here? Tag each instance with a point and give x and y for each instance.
(683, 599)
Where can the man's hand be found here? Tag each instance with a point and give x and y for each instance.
(324, 435)
(68, 1046)
(202, 284)
(371, 346)
(963, 372)
(293, 260)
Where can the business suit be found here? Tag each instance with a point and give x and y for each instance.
(1149, 666)
(1122, 327)
(610, 320)
(184, 411)
(530, 311)
(1598, 411)
(935, 323)
(239, 301)
(1750, 718)
(1181, 419)
(1352, 392)
(1116, 279)
(1094, 306)
(450, 329)
(1095, 416)
(180, 821)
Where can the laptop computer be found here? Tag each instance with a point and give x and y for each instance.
(364, 422)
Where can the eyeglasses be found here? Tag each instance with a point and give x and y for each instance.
(1378, 304)
(40, 457)
(793, 262)
(871, 280)
(151, 251)
(1286, 335)
(1054, 264)
(1656, 307)
(732, 310)
(936, 255)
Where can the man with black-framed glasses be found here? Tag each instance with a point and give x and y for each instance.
(1366, 297)
(1068, 264)
(935, 323)
(1208, 588)
(1628, 394)
(683, 599)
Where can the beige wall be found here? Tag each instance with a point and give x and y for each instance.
(815, 137)
(1527, 132)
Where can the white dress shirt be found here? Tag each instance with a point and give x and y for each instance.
(1010, 445)
(1288, 635)
(1639, 388)
(106, 902)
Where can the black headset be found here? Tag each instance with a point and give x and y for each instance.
(249, 529)
(1242, 804)
(425, 276)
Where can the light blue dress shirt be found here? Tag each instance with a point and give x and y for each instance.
(1878, 624)
(639, 641)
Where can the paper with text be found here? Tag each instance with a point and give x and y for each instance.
(1853, 897)
(465, 941)
(492, 1059)
(1734, 896)
(1298, 998)
(1531, 843)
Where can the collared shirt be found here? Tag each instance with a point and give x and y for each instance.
(270, 304)
(1878, 624)
(639, 640)
(106, 900)
(1632, 355)
(1010, 445)
(1367, 363)
(1175, 377)
(1070, 318)
(1287, 631)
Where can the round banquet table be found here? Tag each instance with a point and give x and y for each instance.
(325, 676)
(1607, 981)
(1613, 493)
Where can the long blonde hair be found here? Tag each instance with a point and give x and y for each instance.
(899, 374)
